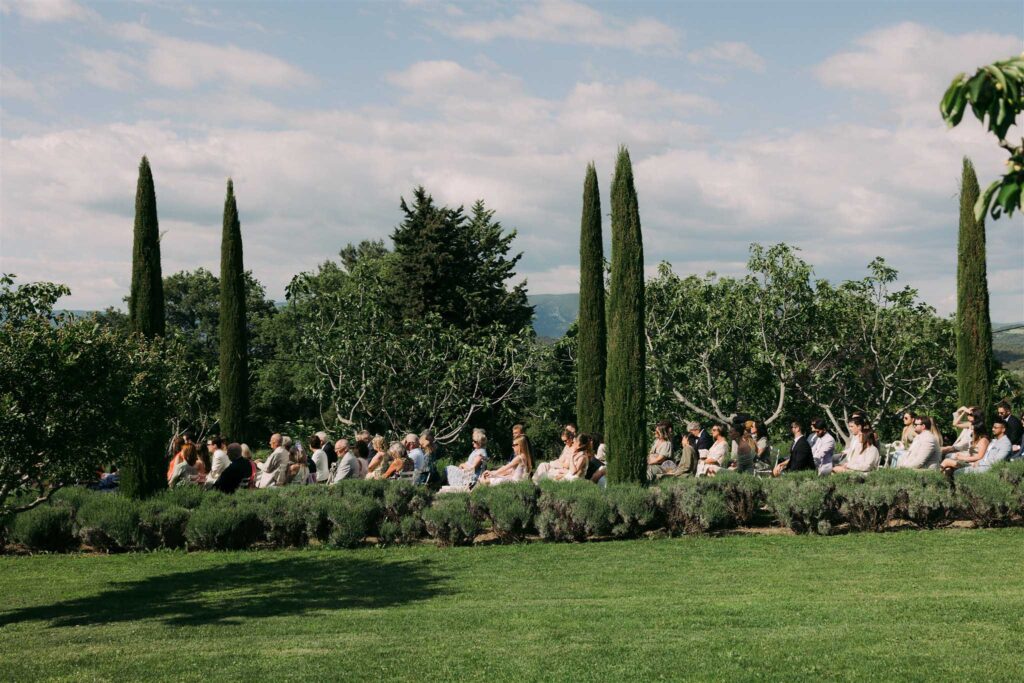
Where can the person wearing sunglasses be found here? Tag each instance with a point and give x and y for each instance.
(924, 452)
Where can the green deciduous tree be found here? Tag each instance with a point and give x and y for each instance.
(146, 302)
(975, 364)
(592, 331)
(995, 91)
(234, 345)
(624, 403)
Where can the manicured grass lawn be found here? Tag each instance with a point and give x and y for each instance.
(928, 606)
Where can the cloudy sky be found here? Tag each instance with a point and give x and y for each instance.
(811, 123)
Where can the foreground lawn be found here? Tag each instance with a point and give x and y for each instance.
(942, 605)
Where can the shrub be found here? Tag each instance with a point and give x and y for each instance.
(188, 497)
(283, 517)
(634, 508)
(1012, 472)
(510, 508)
(349, 520)
(802, 503)
(75, 496)
(985, 499)
(691, 508)
(868, 505)
(223, 527)
(743, 494)
(403, 498)
(109, 522)
(922, 497)
(162, 524)
(47, 527)
(404, 530)
(573, 511)
(450, 521)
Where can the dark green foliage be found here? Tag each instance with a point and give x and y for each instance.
(624, 416)
(461, 264)
(450, 521)
(866, 506)
(975, 364)
(223, 527)
(146, 302)
(634, 508)
(510, 508)
(691, 508)
(743, 494)
(234, 345)
(188, 497)
(109, 522)
(162, 524)
(47, 527)
(284, 517)
(592, 335)
(573, 511)
(922, 497)
(399, 532)
(351, 519)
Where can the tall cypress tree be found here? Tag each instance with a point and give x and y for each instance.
(146, 301)
(234, 357)
(592, 335)
(975, 366)
(625, 400)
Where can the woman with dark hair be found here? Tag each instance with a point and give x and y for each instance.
(759, 433)
(980, 440)
(865, 457)
(580, 459)
(718, 454)
(746, 448)
(177, 444)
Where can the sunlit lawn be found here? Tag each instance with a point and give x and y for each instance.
(942, 605)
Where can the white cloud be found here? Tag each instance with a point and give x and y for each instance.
(728, 55)
(566, 21)
(185, 64)
(47, 10)
(13, 86)
(108, 68)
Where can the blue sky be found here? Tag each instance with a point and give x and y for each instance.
(811, 123)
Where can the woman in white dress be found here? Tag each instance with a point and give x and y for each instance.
(517, 469)
(464, 476)
(865, 456)
(379, 462)
(718, 454)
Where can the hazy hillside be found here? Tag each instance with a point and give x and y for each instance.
(1008, 347)
(553, 313)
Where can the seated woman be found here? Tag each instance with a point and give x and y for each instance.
(980, 441)
(745, 448)
(579, 460)
(865, 456)
(380, 460)
(517, 469)
(465, 475)
(399, 461)
(177, 443)
(659, 459)
(557, 468)
(599, 475)
(298, 470)
(185, 472)
(759, 434)
(362, 459)
(718, 454)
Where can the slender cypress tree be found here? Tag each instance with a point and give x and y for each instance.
(146, 301)
(234, 357)
(624, 401)
(975, 366)
(592, 335)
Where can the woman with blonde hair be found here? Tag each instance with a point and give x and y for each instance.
(517, 469)
(379, 462)
(466, 474)
(717, 456)
(400, 461)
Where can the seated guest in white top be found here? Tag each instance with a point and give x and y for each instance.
(855, 424)
(866, 456)
(760, 436)
(219, 460)
(323, 470)
(979, 450)
(274, 470)
(517, 469)
(379, 458)
(717, 455)
(185, 471)
(348, 464)
(823, 446)
(466, 474)
(961, 420)
(556, 469)
(580, 460)
(924, 452)
(414, 452)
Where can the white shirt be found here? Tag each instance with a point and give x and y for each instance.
(418, 457)
(323, 472)
(218, 464)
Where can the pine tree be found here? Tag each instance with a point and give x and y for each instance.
(146, 301)
(592, 334)
(624, 402)
(234, 359)
(975, 365)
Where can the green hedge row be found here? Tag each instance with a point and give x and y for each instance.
(348, 514)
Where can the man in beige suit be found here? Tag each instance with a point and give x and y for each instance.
(274, 470)
(925, 452)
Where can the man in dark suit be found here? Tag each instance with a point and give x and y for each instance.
(1014, 429)
(235, 473)
(800, 457)
(701, 440)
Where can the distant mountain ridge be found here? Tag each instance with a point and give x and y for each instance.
(553, 313)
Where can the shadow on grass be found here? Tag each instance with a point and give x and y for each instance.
(239, 590)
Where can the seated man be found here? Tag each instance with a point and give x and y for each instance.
(348, 464)
(924, 452)
(235, 473)
(1014, 429)
(800, 456)
(274, 470)
(984, 454)
(823, 446)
